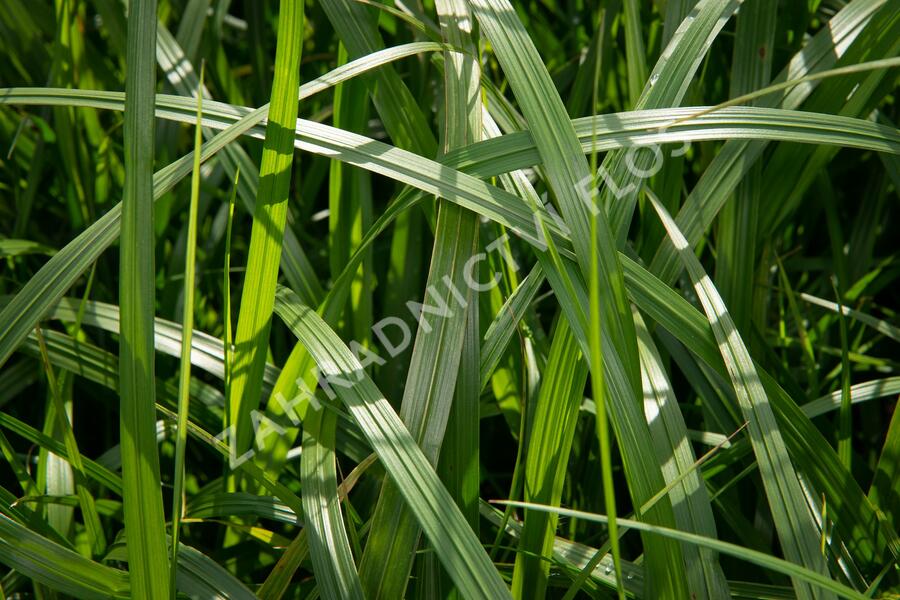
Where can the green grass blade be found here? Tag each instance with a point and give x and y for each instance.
(667, 85)
(517, 151)
(64, 426)
(437, 350)
(270, 214)
(187, 328)
(826, 587)
(279, 578)
(861, 392)
(845, 414)
(460, 552)
(886, 474)
(181, 74)
(460, 454)
(144, 515)
(328, 545)
(402, 116)
(57, 567)
(736, 247)
(797, 531)
(636, 59)
(556, 414)
(199, 576)
(570, 555)
(879, 325)
(676, 12)
(428, 392)
(690, 501)
(569, 180)
(503, 327)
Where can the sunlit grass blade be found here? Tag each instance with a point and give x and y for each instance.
(270, 213)
(517, 150)
(460, 451)
(328, 546)
(861, 392)
(880, 325)
(569, 180)
(201, 576)
(439, 342)
(824, 586)
(459, 551)
(57, 567)
(690, 500)
(430, 385)
(279, 578)
(187, 330)
(797, 530)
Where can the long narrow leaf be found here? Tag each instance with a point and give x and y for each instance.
(144, 515)
(797, 530)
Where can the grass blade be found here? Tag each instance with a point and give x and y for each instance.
(569, 180)
(826, 587)
(63, 425)
(187, 329)
(269, 217)
(737, 249)
(880, 492)
(144, 515)
(690, 501)
(636, 59)
(460, 552)
(328, 546)
(556, 414)
(797, 531)
(434, 364)
(57, 567)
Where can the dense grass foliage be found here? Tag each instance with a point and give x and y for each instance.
(449, 298)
